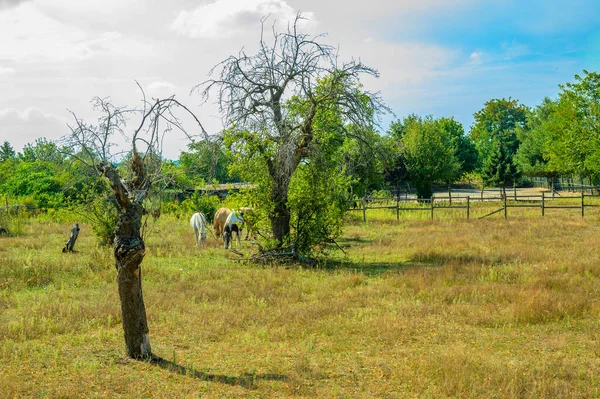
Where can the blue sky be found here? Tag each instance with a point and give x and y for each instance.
(439, 57)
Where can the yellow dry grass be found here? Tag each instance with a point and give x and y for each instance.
(418, 308)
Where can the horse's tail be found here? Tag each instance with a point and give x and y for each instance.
(202, 225)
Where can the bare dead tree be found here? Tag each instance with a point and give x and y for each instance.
(92, 146)
(252, 91)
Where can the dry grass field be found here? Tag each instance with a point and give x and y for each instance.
(448, 308)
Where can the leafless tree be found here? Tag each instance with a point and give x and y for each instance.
(92, 145)
(253, 90)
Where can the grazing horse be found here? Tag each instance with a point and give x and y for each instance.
(234, 223)
(220, 219)
(198, 223)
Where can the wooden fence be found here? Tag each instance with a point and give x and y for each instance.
(542, 202)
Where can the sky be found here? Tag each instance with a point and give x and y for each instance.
(435, 57)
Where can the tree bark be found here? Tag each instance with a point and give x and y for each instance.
(424, 190)
(281, 172)
(280, 222)
(129, 251)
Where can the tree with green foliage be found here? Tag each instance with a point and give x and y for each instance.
(536, 140)
(494, 134)
(465, 151)
(39, 173)
(398, 128)
(362, 154)
(395, 171)
(44, 150)
(207, 161)
(499, 167)
(6, 152)
(430, 154)
(270, 101)
(574, 126)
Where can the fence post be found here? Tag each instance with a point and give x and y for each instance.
(432, 199)
(468, 207)
(505, 213)
(582, 203)
(398, 207)
(543, 202)
(364, 203)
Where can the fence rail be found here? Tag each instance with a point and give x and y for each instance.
(440, 203)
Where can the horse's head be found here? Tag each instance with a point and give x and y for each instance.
(227, 237)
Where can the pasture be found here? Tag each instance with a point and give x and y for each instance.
(418, 308)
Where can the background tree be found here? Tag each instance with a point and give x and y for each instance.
(395, 171)
(6, 152)
(37, 175)
(494, 134)
(430, 154)
(131, 184)
(465, 151)
(252, 91)
(575, 128)
(207, 161)
(533, 154)
(362, 160)
(45, 151)
(398, 128)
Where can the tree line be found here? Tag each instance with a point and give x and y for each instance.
(507, 141)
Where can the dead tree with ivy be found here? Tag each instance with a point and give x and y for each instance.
(253, 92)
(92, 146)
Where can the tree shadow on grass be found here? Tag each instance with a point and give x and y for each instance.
(442, 259)
(417, 261)
(246, 380)
(368, 268)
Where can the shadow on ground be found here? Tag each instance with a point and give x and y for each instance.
(247, 380)
(418, 260)
(352, 242)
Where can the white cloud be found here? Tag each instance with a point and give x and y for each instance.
(22, 127)
(10, 3)
(161, 86)
(475, 58)
(31, 35)
(403, 65)
(227, 18)
(513, 50)
(6, 70)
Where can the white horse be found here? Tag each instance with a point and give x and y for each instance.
(234, 223)
(198, 223)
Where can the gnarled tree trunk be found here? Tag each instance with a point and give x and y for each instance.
(280, 221)
(281, 215)
(129, 250)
